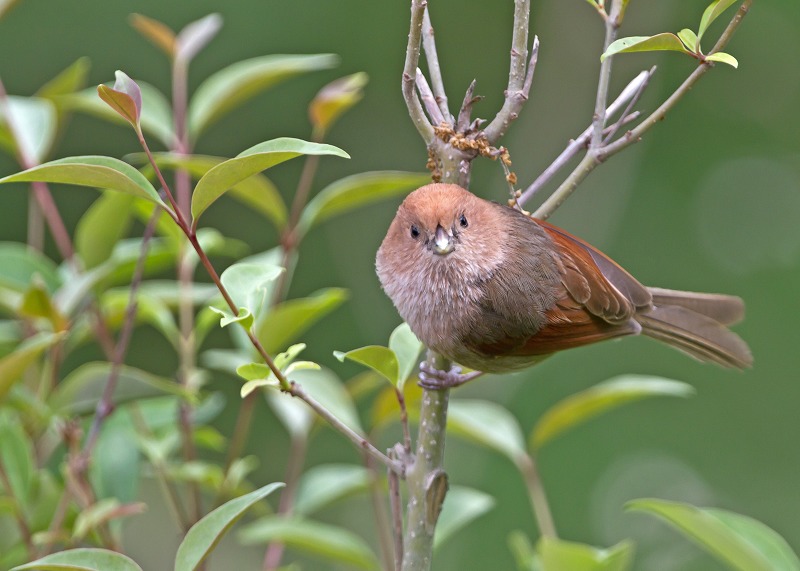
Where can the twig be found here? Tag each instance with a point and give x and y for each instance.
(435, 70)
(541, 508)
(397, 518)
(609, 133)
(428, 100)
(401, 401)
(297, 391)
(465, 113)
(384, 531)
(519, 79)
(596, 157)
(599, 118)
(424, 128)
(582, 140)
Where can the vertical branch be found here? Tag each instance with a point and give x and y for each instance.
(599, 118)
(410, 72)
(435, 70)
(538, 499)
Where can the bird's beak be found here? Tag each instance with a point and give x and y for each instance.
(442, 242)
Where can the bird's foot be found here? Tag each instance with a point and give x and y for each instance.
(434, 379)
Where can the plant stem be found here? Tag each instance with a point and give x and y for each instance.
(538, 499)
(410, 72)
(599, 119)
(19, 514)
(435, 70)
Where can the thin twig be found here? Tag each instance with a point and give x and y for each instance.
(378, 501)
(518, 76)
(424, 128)
(401, 401)
(599, 118)
(597, 156)
(397, 518)
(297, 391)
(428, 100)
(541, 508)
(465, 113)
(580, 142)
(609, 133)
(435, 70)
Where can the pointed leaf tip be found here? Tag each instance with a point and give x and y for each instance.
(125, 98)
(723, 58)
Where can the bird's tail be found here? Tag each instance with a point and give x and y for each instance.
(696, 324)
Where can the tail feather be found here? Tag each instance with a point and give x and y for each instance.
(724, 309)
(696, 333)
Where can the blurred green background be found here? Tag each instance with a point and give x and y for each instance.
(710, 201)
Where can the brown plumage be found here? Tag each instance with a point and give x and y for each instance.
(495, 290)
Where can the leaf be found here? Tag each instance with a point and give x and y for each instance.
(221, 178)
(114, 470)
(724, 58)
(159, 34)
(711, 13)
(689, 39)
(380, 359)
(155, 118)
(488, 424)
(243, 318)
(333, 100)
(355, 191)
(461, 506)
(12, 366)
(101, 512)
(739, 541)
(96, 171)
(659, 42)
(557, 555)
(68, 81)
(149, 309)
(522, 550)
(80, 391)
(242, 80)
(83, 559)
(196, 35)
(594, 401)
(106, 221)
(290, 319)
(249, 284)
(406, 348)
(322, 485)
(257, 192)
(6, 5)
(34, 123)
(125, 98)
(19, 264)
(37, 303)
(17, 458)
(329, 542)
(203, 536)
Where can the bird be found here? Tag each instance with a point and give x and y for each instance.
(496, 290)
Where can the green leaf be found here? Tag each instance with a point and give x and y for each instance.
(689, 39)
(257, 192)
(83, 559)
(380, 359)
(16, 454)
(329, 542)
(80, 391)
(99, 172)
(194, 37)
(334, 99)
(558, 555)
(101, 512)
(739, 541)
(34, 120)
(250, 284)
(406, 348)
(104, 224)
(221, 178)
(12, 366)
(290, 319)
(711, 13)
(244, 318)
(322, 485)
(522, 550)
(149, 309)
(155, 119)
(18, 265)
(355, 191)
(659, 42)
(235, 84)
(203, 536)
(461, 506)
(724, 58)
(125, 98)
(114, 470)
(68, 81)
(603, 397)
(488, 424)
(37, 303)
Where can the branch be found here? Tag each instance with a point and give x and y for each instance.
(597, 156)
(637, 85)
(541, 508)
(519, 78)
(599, 119)
(428, 99)
(429, 45)
(410, 72)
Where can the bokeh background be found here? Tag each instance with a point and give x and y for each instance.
(709, 201)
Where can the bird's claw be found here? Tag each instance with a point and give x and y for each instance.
(434, 379)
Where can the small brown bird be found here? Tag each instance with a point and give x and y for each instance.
(495, 290)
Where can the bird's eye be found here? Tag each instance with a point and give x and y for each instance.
(463, 221)
(414, 232)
